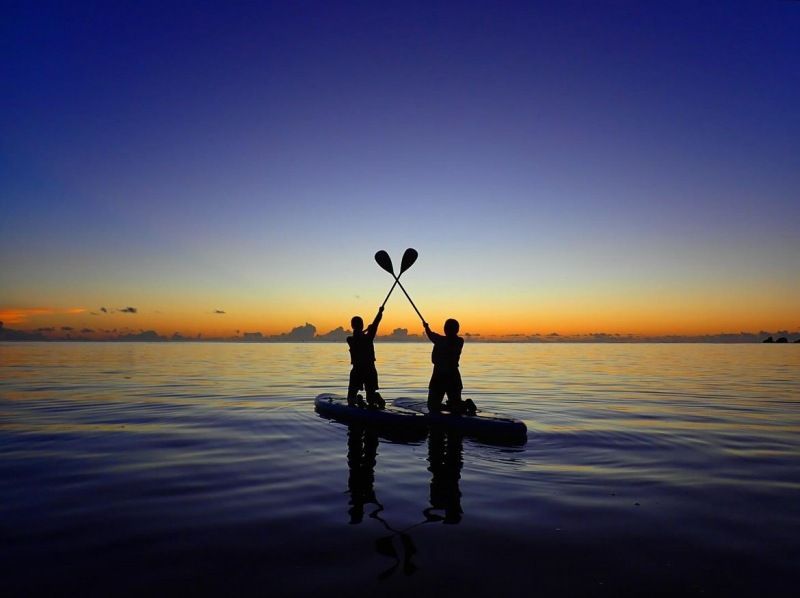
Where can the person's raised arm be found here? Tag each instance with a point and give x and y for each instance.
(372, 330)
(431, 334)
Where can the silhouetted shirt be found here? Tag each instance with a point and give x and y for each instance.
(446, 350)
(362, 347)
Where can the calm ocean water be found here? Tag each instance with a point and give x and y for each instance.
(201, 467)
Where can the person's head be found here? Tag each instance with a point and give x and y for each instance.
(357, 323)
(451, 327)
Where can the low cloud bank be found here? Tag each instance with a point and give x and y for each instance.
(336, 335)
(144, 335)
(308, 333)
(609, 337)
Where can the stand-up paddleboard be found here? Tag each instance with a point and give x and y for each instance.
(334, 406)
(481, 425)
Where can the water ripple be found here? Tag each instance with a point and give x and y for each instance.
(167, 465)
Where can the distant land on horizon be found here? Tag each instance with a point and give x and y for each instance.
(308, 333)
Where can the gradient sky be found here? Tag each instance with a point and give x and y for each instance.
(626, 167)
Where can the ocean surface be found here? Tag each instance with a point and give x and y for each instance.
(163, 468)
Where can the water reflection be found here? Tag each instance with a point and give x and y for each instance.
(362, 454)
(194, 449)
(445, 459)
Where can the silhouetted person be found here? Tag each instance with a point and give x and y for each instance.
(362, 356)
(445, 462)
(446, 379)
(362, 452)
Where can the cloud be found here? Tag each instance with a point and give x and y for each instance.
(304, 333)
(338, 334)
(129, 310)
(400, 335)
(144, 335)
(218, 311)
(7, 334)
(307, 332)
(615, 337)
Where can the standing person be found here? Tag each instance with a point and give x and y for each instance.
(362, 356)
(446, 379)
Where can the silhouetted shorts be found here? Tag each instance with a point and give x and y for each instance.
(365, 378)
(444, 383)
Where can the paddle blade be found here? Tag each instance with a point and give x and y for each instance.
(384, 261)
(409, 257)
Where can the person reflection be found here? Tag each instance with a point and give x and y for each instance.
(445, 449)
(362, 451)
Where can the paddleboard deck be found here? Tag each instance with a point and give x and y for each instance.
(480, 425)
(333, 406)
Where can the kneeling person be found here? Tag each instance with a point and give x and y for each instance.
(362, 357)
(446, 379)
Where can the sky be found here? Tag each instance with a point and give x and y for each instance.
(571, 167)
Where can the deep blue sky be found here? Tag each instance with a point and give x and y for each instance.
(602, 155)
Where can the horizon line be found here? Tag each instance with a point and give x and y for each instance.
(402, 336)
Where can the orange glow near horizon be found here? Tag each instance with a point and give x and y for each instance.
(576, 317)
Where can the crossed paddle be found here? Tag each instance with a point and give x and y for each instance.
(384, 261)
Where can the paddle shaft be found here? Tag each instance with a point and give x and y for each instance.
(390, 290)
(397, 281)
(385, 262)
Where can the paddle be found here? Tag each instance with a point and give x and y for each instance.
(410, 256)
(385, 262)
